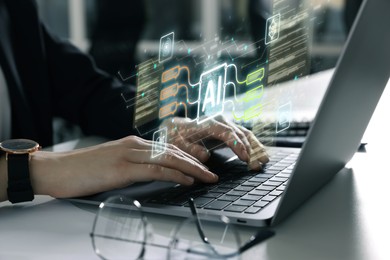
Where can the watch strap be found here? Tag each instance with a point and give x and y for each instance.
(19, 183)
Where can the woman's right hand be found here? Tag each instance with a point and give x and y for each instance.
(112, 165)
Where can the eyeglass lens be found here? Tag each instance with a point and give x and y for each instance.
(222, 239)
(119, 230)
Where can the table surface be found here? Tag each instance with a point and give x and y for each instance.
(347, 219)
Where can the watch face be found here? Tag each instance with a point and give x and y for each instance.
(19, 146)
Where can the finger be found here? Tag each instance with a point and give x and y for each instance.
(153, 172)
(238, 131)
(227, 134)
(143, 144)
(255, 165)
(258, 150)
(198, 151)
(258, 154)
(173, 160)
(181, 152)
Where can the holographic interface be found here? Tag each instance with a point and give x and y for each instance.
(228, 74)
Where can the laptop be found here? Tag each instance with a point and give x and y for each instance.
(293, 175)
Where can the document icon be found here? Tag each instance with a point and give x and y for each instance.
(283, 117)
(272, 29)
(159, 142)
(166, 47)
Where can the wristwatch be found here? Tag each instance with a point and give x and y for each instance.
(18, 157)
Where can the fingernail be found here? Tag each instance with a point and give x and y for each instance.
(203, 155)
(214, 176)
(264, 158)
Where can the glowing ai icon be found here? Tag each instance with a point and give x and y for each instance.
(167, 43)
(159, 142)
(272, 29)
(212, 93)
(284, 117)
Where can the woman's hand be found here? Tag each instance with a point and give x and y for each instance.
(188, 136)
(112, 165)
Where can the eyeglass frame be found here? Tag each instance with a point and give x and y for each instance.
(255, 239)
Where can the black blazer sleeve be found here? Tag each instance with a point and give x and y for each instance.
(84, 95)
(49, 77)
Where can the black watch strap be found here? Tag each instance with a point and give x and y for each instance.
(19, 184)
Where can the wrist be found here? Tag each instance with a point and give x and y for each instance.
(43, 169)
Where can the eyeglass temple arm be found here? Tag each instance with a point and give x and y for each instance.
(256, 239)
(198, 226)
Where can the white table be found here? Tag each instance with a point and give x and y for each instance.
(347, 219)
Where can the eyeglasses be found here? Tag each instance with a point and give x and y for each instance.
(122, 231)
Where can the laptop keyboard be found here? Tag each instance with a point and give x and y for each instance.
(238, 189)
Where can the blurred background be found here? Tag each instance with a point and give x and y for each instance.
(116, 33)
(123, 33)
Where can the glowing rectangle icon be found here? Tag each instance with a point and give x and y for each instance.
(169, 91)
(211, 93)
(167, 43)
(253, 94)
(170, 74)
(284, 117)
(159, 142)
(272, 29)
(257, 75)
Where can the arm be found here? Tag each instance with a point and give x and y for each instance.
(105, 167)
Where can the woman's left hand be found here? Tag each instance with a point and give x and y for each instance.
(189, 136)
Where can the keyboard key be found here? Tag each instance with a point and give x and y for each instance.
(251, 183)
(277, 168)
(243, 188)
(236, 193)
(276, 192)
(220, 190)
(212, 194)
(265, 175)
(280, 164)
(252, 210)
(272, 183)
(217, 205)
(236, 208)
(251, 197)
(200, 202)
(228, 185)
(258, 192)
(281, 188)
(264, 187)
(178, 201)
(228, 197)
(238, 181)
(288, 161)
(242, 202)
(283, 175)
(261, 204)
(258, 179)
(268, 198)
(277, 178)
